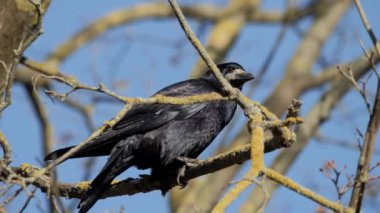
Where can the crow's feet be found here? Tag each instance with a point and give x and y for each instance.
(181, 174)
(190, 162)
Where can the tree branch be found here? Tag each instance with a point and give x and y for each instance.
(7, 150)
(233, 17)
(145, 184)
(315, 118)
(290, 184)
(367, 26)
(364, 163)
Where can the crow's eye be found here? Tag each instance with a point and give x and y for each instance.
(230, 69)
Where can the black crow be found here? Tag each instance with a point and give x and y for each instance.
(161, 136)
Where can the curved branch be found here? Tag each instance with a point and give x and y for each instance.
(7, 150)
(162, 11)
(123, 16)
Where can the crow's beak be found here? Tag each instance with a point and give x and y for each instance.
(245, 77)
(240, 76)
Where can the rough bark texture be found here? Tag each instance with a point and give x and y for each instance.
(18, 24)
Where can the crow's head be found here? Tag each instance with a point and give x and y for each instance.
(233, 73)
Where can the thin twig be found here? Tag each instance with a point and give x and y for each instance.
(11, 197)
(349, 75)
(367, 26)
(6, 101)
(290, 184)
(370, 55)
(28, 200)
(335, 179)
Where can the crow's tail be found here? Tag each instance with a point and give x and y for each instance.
(92, 149)
(115, 166)
(58, 153)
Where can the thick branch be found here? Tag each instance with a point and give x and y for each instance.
(146, 184)
(15, 36)
(46, 127)
(330, 73)
(299, 68)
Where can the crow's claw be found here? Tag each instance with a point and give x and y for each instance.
(181, 174)
(190, 162)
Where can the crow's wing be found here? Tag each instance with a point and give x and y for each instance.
(143, 118)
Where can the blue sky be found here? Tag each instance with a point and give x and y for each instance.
(145, 56)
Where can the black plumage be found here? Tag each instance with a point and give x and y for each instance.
(155, 136)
